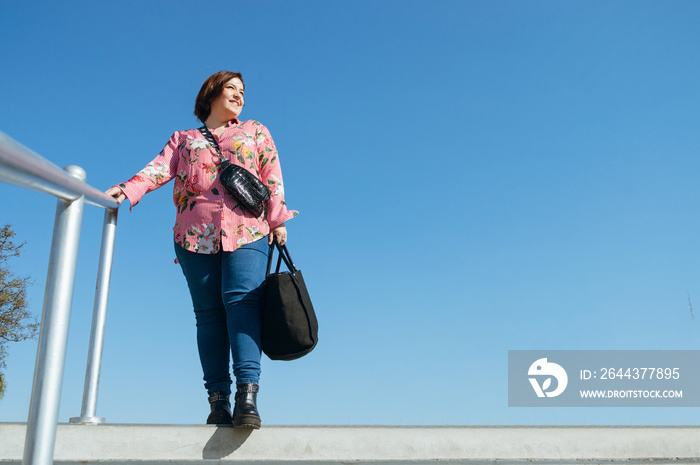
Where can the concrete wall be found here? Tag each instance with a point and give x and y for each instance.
(160, 444)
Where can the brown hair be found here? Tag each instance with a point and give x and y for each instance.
(211, 89)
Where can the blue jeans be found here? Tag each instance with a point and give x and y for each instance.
(227, 292)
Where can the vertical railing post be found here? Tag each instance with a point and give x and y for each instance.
(99, 321)
(53, 337)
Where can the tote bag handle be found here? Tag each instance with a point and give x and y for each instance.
(283, 254)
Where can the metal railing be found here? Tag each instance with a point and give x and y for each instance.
(22, 167)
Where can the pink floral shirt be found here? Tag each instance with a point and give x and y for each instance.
(209, 218)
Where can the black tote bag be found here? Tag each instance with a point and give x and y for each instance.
(289, 325)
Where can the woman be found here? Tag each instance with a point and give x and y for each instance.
(221, 247)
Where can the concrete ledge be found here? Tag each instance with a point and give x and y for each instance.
(160, 444)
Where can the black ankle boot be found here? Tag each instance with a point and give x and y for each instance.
(245, 411)
(220, 409)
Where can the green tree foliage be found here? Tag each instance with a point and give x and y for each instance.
(16, 323)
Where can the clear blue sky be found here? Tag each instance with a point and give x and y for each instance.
(472, 178)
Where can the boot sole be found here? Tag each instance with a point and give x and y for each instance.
(247, 421)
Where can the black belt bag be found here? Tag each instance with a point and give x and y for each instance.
(243, 185)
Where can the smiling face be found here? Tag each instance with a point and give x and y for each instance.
(229, 104)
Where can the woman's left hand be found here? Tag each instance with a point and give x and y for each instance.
(279, 233)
